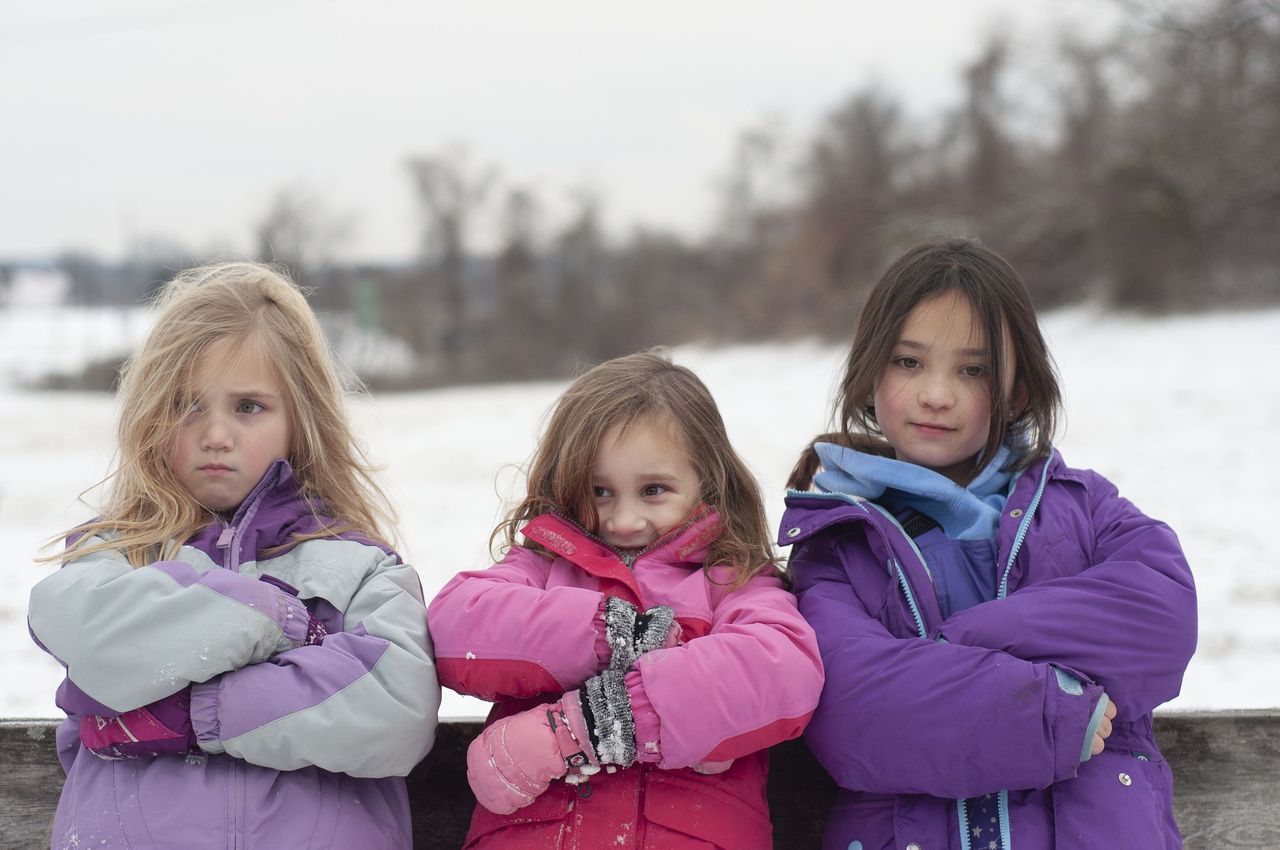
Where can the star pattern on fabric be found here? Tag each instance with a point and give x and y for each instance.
(983, 810)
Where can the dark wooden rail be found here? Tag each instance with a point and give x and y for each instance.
(1226, 784)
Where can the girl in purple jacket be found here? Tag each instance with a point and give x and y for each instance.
(640, 646)
(247, 662)
(996, 626)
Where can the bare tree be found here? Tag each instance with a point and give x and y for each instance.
(450, 191)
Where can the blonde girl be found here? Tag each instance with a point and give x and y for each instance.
(247, 659)
(641, 627)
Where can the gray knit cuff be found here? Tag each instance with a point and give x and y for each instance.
(606, 707)
(653, 627)
(620, 631)
(631, 633)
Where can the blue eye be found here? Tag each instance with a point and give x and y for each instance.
(249, 406)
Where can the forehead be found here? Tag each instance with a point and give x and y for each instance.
(653, 436)
(236, 364)
(947, 320)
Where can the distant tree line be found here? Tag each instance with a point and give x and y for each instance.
(1143, 174)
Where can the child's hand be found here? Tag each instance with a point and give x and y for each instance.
(1104, 728)
(632, 633)
(518, 757)
(159, 729)
(316, 632)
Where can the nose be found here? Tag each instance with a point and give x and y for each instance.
(624, 519)
(214, 433)
(936, 391)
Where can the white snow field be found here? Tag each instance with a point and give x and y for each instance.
(1183, 414)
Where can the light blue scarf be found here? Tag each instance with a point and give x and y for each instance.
(965, 513)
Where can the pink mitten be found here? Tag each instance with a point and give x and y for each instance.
(517, 758)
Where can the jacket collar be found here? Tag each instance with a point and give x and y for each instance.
(686, 545)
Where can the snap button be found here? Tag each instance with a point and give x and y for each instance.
(1126, 780)
(793, 532)
(1015, 513)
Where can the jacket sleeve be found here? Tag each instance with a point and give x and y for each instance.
(129, 637)
(502, 633)
(915, 716)
(363, 702)
(1128, 620)
(752, 681)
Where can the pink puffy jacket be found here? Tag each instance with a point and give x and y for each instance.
(746, 676)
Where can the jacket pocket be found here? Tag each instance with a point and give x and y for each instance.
(1118, 799)
(864, 821)
(536, 825)
(706, 811)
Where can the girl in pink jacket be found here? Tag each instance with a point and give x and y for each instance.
(640, 646)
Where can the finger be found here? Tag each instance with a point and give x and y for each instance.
(1097, 745)
(1110, 710)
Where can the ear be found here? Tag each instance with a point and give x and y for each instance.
(1018, 401)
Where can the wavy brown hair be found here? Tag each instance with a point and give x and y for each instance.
(646, 387)
(1000, 301)
(148, 514)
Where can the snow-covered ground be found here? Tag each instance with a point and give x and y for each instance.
(1182, 413)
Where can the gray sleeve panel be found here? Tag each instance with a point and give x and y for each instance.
(131, 636)
(309, 711)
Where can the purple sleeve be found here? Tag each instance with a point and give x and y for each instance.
(914, 716)
(1126, 620)
(246, 699)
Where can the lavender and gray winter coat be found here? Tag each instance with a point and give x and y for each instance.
(919, 713)
(302, 746)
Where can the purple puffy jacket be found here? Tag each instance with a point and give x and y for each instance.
(919, 713)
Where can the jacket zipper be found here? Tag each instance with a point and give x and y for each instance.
(230, 536)
(962, 809)
(1002, 803)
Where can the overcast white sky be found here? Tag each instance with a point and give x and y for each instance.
(132, 118)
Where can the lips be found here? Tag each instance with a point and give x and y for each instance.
(929, 428)
(214, 468)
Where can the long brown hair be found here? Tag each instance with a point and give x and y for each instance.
(148, 514)
(1001, 304)
(645, 387)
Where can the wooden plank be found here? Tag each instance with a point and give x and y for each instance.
(1226, 788)
(1226, 783)
(30, 781)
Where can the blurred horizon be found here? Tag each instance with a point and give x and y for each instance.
(508, 194)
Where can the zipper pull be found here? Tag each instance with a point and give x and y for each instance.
(224, 539)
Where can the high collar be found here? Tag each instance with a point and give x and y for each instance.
(965, 513)
(267, 518)
(685, 545)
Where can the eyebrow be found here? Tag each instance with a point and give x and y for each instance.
(251, 393)
(648, 476)
(966, 352)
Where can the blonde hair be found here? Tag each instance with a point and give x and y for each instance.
(646, 387)
(149, 514)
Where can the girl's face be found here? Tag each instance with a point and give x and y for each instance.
(932, 403)
(643, 483)
(235, 430)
